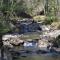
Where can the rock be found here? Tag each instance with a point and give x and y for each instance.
(7, 43)
(45, 27)
(26, 27)
(37, 6)
(43, 44)
(55, 25)
(57, 49)
(16, 41)
(8, 36)
(39, 18)
(54, 33)
(11, 40)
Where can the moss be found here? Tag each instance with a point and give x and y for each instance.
(39, 18)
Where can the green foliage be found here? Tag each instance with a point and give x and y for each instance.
(3, 29)
(6, 8)
(50, 20)
(51, 10)
(4, 25)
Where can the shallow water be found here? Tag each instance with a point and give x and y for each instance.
(34, 56)
(38, 57)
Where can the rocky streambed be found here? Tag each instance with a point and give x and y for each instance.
(41, 43)
(31, 43)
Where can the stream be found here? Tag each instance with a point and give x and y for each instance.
(38, 57)
(31, 31)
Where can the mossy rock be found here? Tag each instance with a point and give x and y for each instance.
(39, 18)
(56, 25)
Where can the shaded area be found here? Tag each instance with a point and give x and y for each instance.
(23, 15)
(27, 26)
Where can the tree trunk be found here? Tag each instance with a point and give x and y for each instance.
(46, 7)
(1, 48)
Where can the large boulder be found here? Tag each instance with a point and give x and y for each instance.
(32, 7)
